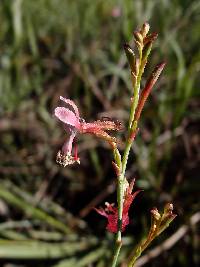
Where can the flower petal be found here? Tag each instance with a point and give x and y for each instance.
(71, 103)
(67, 116)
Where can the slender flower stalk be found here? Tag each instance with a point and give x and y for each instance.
(137, 66)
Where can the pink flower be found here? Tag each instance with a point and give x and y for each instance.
(111, 212)
(74, 124)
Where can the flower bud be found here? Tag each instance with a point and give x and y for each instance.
(168, 208)
(156, 215)
(130, 56)
(146, 50)
(150, 38)
(145, 29)
(138, 37)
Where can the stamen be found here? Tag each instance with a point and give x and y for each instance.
(66, 159)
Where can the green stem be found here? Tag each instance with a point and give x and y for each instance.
(116, 253)
(140, 248)
(118, 244)
(133, 260)
(121, 178)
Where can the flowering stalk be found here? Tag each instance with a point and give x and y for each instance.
(137, 66)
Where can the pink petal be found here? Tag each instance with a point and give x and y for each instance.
(67, 116)
(71, 103)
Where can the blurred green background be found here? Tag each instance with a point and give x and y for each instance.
(73, 48)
